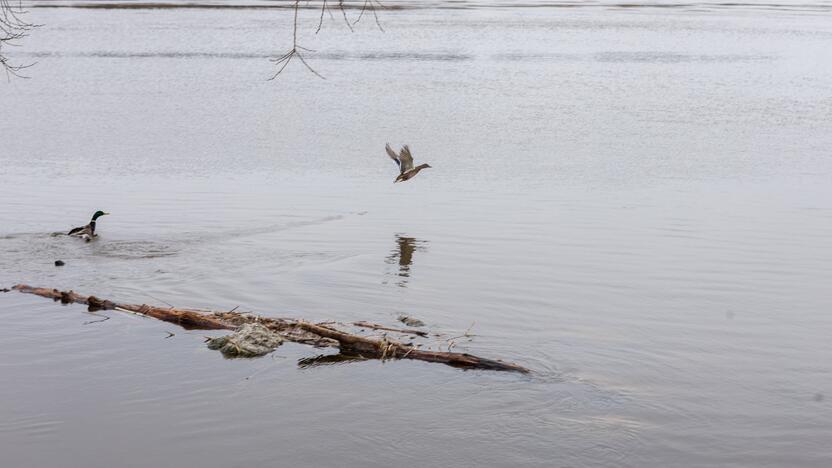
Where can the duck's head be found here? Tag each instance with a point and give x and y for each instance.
(98, 214)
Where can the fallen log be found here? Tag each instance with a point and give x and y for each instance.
(299, 331)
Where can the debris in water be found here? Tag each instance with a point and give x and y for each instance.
(59, 263)
(410, 321)
(250, 340)
(323, 334)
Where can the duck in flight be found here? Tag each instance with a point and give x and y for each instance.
(405, 162)
(87, 232)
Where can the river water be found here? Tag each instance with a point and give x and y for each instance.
(633, 201)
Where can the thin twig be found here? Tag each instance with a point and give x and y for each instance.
(157, 299)
(369, 4)
(376, 326)
(326, 7)
(103, 319)
(12, 29)
(283, 61)
(321, 22)
(344, 14)
(467, 333)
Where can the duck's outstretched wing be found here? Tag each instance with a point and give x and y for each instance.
(75, 231)
(393, 155)
(405, 160)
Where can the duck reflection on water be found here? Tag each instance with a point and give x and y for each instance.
(402, 255)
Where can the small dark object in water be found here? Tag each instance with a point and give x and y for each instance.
(410, 321)
(59, 263)
(4, 290)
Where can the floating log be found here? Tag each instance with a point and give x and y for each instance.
(300, 331)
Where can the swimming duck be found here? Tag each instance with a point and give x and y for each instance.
(87, 232)
(405, 162)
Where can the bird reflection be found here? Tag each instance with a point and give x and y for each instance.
(402, 255)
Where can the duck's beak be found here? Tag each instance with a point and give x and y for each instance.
(105, 214)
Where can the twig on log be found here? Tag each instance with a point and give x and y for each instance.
(375, 326)
(157, 299)
(298, 331)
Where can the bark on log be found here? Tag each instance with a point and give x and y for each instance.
(294, 330)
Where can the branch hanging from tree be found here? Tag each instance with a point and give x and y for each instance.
(283, 61)
(326, 7)
(370, 5)
(12, 28)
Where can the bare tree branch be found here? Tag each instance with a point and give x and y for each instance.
(12, 29)
(326, 6)
(371, 5)
(283, 61)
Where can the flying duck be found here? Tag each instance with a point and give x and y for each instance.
(87, 232)
(405, 162)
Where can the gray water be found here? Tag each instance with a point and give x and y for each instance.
(634, 202)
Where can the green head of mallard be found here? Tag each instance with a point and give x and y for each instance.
(98, 214)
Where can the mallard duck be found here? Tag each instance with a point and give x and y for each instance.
(87, 232)
(405, 162)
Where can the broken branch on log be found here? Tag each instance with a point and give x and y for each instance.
(299, 331)
(404, 331)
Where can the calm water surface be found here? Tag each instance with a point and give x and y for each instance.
(634, 202)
